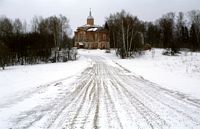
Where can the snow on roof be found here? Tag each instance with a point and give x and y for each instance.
(92, 29)
(80, 43)
(86, 25)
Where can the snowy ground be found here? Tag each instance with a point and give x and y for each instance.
(28, 87)
(179, 73)
(101, 91)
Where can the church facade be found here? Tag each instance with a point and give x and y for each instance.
(91, 36)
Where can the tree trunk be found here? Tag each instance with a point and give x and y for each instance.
(123, 39)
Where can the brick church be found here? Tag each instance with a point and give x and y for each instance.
(91, 36)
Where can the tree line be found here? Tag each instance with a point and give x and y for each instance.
(43, 43)
(48, 36)
(172, 31)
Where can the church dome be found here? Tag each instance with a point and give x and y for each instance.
(90, 17)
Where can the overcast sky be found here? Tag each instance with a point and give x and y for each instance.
(77, 10)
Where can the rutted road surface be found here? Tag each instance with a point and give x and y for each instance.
(107, 96)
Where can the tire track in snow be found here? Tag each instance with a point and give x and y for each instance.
(54, 109)
(111, 109)
(179, 106)
(81, 113)
(80, 107)
(166, 100)
(149, 116)
(72, 99)
(80, 97)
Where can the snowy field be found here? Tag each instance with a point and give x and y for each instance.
(99, 90)
(18, 78)
(179, 73)
(25, 87)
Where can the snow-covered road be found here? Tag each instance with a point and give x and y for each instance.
(104, 96)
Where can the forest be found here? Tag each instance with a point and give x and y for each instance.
(42, 44)
(173, 32)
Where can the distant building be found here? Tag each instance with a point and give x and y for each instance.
(91, 36)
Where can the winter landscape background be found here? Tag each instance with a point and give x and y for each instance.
(99, 64)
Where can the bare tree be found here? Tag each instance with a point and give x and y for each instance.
(6, 27)
(3, 55)
(24, 27)
(35, 24)
(17, 26)
(195, 28)
(124, 29)
(167, 24)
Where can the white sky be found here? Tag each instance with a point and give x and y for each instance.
(77, 10)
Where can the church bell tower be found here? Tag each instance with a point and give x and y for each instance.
(90, 19)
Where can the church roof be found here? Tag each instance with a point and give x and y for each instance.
(92, 28)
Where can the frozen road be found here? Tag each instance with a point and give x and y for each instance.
(105, 96)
